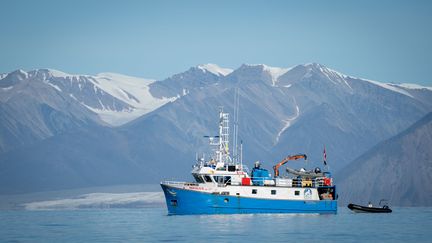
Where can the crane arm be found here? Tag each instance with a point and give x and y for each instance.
(285, 160)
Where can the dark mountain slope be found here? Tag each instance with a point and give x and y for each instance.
(398, 169)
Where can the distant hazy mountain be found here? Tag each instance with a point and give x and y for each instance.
(398, 169)
(42, 103)
(347, 114)
(132, 132)
(32, 110)
(297, 110)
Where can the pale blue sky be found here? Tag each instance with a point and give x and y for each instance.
(388, 41)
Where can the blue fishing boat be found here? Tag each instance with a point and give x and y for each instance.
(223, 185)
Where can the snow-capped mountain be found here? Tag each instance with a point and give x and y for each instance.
(32, 110)
(251, 72)
(120, 98)
(282, 111)
(344, 113)
(215, 69)
(302, 109)
(418, 92)
(116, 98)
(182, 83)
(44, 102)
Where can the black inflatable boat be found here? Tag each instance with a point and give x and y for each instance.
(365, 209)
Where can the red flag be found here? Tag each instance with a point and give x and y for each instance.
(325, 156)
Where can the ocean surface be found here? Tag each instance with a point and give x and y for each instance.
(151, 224)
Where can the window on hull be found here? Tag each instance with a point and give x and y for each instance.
(254, 191)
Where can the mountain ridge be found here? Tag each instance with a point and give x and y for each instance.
(305, 108)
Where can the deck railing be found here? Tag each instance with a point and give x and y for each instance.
(180, 183)
(292, 182)
(265, 181)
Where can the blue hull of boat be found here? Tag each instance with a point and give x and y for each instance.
(181, 202)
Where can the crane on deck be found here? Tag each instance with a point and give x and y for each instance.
(285, 160)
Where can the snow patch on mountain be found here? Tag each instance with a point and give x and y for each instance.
(331, 75)
(334, 75)
(128, 89)
(389, 87)
(60, 74)
(3, 75)
(131, 90)
(411, 86)
(275, 72)
(21, 74)
(288, 123)
(215, 69)
(54, 86)
(118, 118)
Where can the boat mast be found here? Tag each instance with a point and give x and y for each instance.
(235, 128)
(241, 154)
(223, 153)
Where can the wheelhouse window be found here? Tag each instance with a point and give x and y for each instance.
(198, 178)
(218, 179)
(222, 179)
(207, 178)
(227, 180)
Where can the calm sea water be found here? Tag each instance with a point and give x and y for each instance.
(152, 225)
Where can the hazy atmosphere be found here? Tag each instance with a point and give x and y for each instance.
(146, 121)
